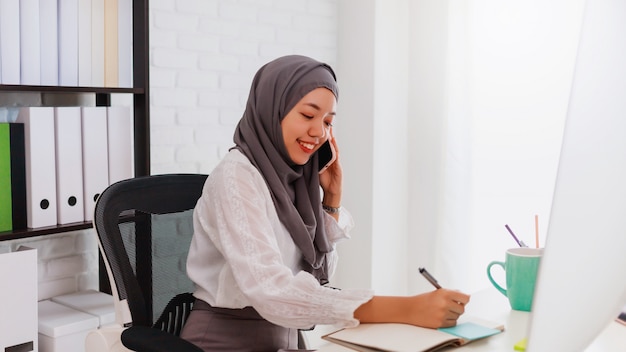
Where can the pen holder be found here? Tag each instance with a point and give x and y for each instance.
(521, 267)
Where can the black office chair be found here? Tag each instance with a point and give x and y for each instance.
(144, 227)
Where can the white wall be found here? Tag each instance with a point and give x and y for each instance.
(372, 67)
(391, 143)
(203, 57)
(67, 262)
(355, 70)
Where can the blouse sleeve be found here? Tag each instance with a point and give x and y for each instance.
(239, 223)
(337, 230)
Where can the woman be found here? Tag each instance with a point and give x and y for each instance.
(264, 238)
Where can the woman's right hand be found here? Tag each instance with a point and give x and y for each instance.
(435, 309)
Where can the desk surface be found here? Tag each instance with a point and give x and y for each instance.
(491, 305)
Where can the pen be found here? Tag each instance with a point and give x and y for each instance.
(429, 277)
(520, 243)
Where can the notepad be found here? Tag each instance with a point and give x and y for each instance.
(470, 331)
(409, 338)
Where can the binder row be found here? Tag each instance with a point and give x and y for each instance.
(56, 161)
(70, 43)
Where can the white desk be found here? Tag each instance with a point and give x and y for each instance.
(491, 305)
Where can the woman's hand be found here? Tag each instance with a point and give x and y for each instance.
(331, 180)
(439, 308)
(436, 309)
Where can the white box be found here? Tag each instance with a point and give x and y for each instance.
(63, 329)
(92, 302)
(18, 300)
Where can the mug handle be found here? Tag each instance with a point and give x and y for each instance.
(493, 282)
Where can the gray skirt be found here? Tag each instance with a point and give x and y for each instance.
(222, 329)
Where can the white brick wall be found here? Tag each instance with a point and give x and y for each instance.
(67, 262)
(203, 56)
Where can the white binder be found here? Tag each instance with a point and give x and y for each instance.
(84, 43)
(111, 52)
(95, 156)
(68, 42)
(10, 41)
(49, 42)
(41, 195)
(30, 53)
(120, 143)
(125, 43)
(69, 164)
(97, 43)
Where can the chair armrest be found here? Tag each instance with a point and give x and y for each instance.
(146, 339)
(105, 339)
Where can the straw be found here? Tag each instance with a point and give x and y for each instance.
(537, 231)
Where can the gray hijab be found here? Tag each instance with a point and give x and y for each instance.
(276, 88)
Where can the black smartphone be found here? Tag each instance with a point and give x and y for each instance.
(621, 318)
(326, 156)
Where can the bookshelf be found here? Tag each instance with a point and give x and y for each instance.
(141, 111)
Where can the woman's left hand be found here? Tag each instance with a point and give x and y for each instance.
(331, 180)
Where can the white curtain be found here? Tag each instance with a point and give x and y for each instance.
(450, 122)
(489, 88)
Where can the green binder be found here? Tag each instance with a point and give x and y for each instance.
(6, 212)
(12, 177)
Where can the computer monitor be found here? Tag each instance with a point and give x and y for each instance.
(582, 277)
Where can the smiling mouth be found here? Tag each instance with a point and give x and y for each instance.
(307, 146)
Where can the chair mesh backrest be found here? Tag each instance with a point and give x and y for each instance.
(144, 226)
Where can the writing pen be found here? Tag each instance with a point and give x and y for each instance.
(519, 242)
(429, 277)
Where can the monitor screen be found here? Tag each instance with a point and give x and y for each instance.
(582, 277)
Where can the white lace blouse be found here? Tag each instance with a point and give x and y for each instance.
(241, 254)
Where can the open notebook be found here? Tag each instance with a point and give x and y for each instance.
(394, 337)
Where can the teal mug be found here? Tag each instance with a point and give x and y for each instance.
(521, 267)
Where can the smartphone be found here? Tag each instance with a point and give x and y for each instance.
(326, 156)
(621, 318)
